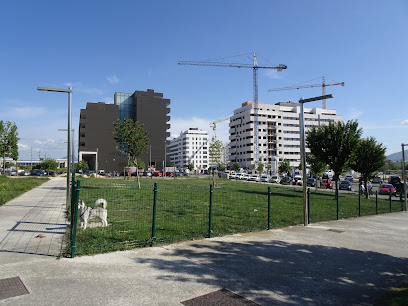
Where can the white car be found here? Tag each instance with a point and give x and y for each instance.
(244, 176)
(265, 178)
(253, 177)
(232, 176)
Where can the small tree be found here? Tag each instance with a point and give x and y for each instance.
(190, 166)
(49, 164)
(370, 157)
(8, 141)
(335, 144)
(216, 150)
(260, 166)
(81, 166)
(315, 164)
(236, 166)
(221, 167)
(284, 166)
(132, 140)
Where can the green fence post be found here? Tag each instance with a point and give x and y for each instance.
(401, 199)
(154, 213)
(337, 204)
(376, 202)
(359, 203)
(210, 212)
(74, 225)
(72, 204)
(269, 207)
(308, 205)
(390, 201)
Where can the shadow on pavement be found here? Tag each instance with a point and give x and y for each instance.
(277, 272)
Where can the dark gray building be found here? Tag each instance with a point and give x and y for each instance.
(96, 143)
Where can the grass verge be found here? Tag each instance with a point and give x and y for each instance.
(182, 210)
(12, 187)
(396, 297)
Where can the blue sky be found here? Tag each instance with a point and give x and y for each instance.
(99, 47)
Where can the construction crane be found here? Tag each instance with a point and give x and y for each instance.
(255, 68)
(213, 124)
(323, 86)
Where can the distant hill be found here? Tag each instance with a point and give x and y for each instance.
(396, 157)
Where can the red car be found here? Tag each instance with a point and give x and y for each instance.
(157, 173)
(327, 183)
(386, 189)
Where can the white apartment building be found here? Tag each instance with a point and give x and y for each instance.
(278, 132)
(191, 146)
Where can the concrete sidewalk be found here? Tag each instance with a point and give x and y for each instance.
(34, 223)
(345, 262)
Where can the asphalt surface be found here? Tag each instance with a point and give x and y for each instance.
(345, 262)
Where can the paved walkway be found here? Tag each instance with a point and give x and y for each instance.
(345, 262)
(35, 222)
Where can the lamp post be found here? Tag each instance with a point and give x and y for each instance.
(303, 150)
(69, 92)
(404, 177)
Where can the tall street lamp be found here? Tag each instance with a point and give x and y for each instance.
(404, 177)
(69, 91)
(303, 150)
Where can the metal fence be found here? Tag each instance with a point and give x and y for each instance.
(160, 213)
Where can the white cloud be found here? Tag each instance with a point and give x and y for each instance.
(24, 112)
(273, 74)
(353, 114)
(405, 122)
(78, 87)
(113, 79)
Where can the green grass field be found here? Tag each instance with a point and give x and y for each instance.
(182, 210)
(12, 187)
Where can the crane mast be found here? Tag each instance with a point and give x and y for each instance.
(255, 68)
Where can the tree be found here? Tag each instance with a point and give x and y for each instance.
(236, 166)
(132, 140)
(335, 144)
(216, 150)
(284, 166)
(8, 141)
(221, 167)
(370, 157)
(190, 166)
(81, 166)
(315, 164)
(49, 164)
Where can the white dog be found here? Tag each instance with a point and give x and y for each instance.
(87, 213)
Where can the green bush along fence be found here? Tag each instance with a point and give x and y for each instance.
(168, 211)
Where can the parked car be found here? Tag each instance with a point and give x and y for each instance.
(297, 180)
(327, 183)
(376, 180)
(244, 176)
(396, 182)
(264, 178)
(253, 177)
(157, 173)
(274, 179)
(311, 182)
(386, 189)
(349, 178)
(37, 172)
(286, 180)
(345, 185)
